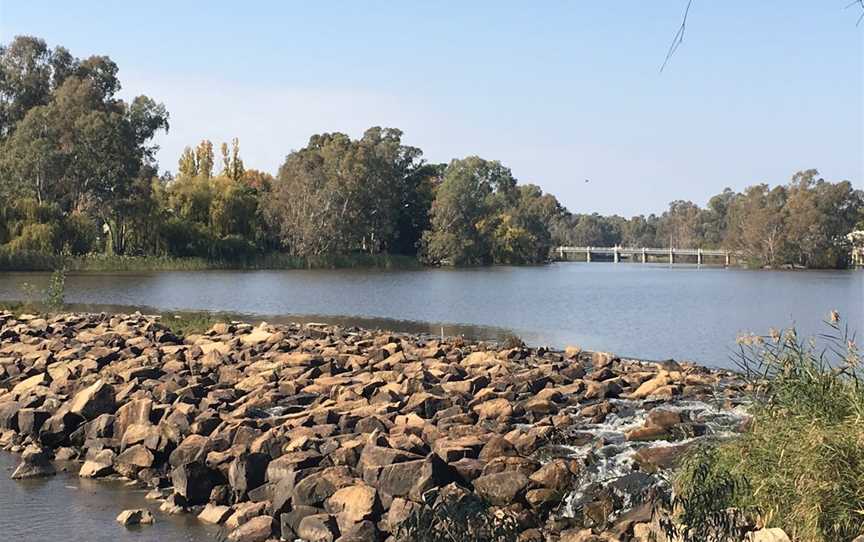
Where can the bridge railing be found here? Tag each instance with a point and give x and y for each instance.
(644, 252)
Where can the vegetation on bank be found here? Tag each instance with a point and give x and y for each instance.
(39, 261)
(800, 464)
(78, 176)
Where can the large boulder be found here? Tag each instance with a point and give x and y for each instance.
(95, 399)
(101, 464)
(135, 517)
(35, 463)
(30, 420)
(246, 473)
(9, 414)
(194, 482)
(257, 529)
(413, 478)
(56, 429)
(353, 504)
(318, 527)
(501, 489)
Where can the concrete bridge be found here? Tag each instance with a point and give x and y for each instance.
(643, 254)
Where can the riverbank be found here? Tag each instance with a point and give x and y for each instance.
(322, 432)
(38, 261)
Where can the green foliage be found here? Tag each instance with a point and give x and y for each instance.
(78, 173)
(707, 506)
(480, 216)
(55, 294)
(188, 323)
(800, 465)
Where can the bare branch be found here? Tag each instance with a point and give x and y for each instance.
(859, 3)
(679, 36)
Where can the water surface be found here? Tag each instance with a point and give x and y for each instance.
(65, 507)
(646, 311)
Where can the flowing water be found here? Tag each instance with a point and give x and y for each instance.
(643, 311)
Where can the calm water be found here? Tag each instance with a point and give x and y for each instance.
(64, 507)
(645, 311)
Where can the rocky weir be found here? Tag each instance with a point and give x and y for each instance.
(325, 433)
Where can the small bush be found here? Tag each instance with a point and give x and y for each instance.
(512, 341)
(454, 515)
(55, 294)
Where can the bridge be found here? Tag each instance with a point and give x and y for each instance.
(643, 254)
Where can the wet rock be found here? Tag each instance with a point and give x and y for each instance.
(652, 459)
(135, 517)
(35, 463)
(554, 475)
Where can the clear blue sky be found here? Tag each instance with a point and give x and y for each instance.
(558, 91)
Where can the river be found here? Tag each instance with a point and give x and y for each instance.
(65, 507)
(645, 311)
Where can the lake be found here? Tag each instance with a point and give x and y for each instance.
(645, 311)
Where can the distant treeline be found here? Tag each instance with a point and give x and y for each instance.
(78, 177)
(803, 223)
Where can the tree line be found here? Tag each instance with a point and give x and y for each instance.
(802, 223)
(78, 176)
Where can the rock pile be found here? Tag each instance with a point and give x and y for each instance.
(325, 433)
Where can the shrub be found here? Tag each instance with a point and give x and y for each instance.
(454, 515)
(55, 294)
(800, 465)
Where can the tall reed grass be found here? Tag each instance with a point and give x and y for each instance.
(800, 464)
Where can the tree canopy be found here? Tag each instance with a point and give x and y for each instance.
(78, 175)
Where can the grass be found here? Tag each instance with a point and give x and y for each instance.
(800, 465)
(188, 323)
(37, 261)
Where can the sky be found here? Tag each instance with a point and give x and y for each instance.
(559, 91)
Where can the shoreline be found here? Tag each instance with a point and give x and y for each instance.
(297, 429)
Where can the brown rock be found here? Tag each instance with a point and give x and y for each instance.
(501, 489)
(257, 529)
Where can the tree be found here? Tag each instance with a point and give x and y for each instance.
(232, 165)
(680, 226)
(756, 224)
(471, 192)
(340, 195)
